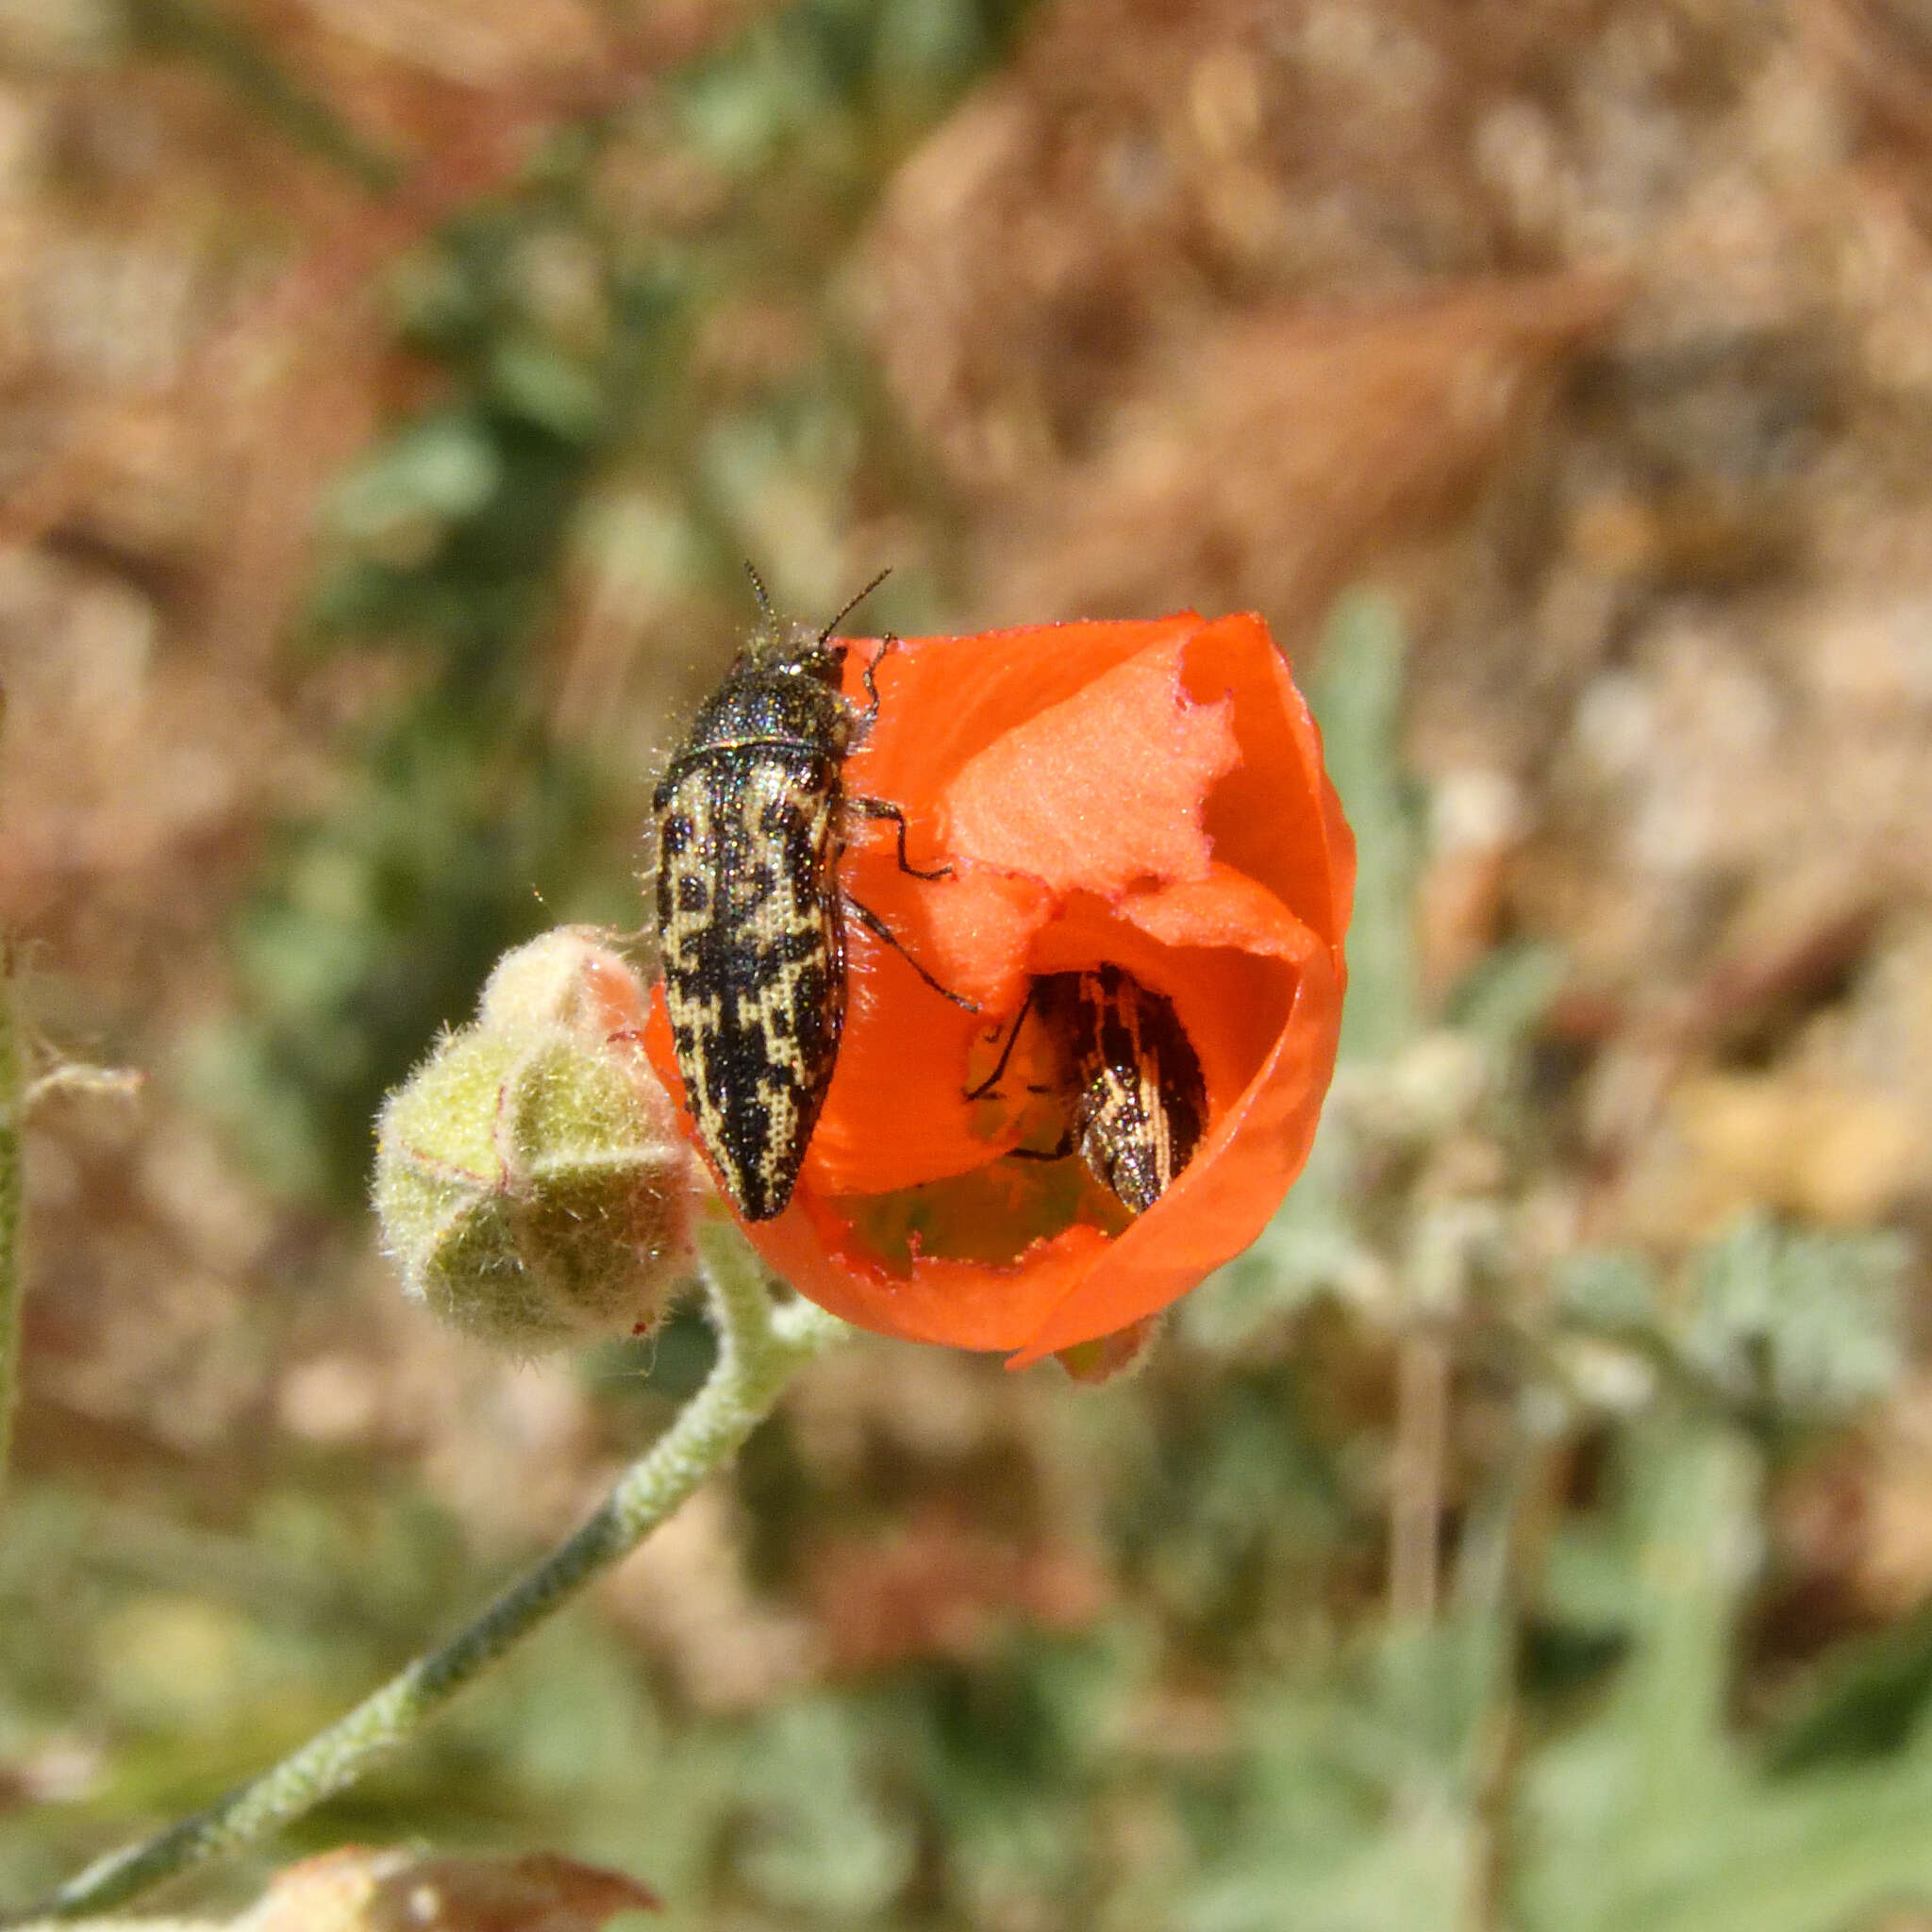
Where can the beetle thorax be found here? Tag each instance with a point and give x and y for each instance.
(782, 703)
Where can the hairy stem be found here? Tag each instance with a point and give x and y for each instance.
(760, 1350)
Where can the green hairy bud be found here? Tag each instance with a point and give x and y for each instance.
(529, 1178)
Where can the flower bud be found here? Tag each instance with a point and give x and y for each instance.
(571, 977)
(529, 1178)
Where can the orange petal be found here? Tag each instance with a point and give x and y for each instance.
(896, 1114)
(1103, 788)
(944, 700)
(1274, 817)
(960, 1303)
(972, 932)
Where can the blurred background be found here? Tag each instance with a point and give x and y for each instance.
(1536, 1530)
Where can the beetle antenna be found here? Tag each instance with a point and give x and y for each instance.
(758, 591)
(826, 635)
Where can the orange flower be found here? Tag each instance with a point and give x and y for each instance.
(1149, 794)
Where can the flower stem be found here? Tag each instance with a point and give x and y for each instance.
(760, 1350)
(12, 1284)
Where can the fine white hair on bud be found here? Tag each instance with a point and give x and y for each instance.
(572, 977)
(532, 1186)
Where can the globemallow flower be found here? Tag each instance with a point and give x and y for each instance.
(1147, 883)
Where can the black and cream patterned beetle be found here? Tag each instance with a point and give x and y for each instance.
(1127, 1077)
(751, 816)
(1137, 1100)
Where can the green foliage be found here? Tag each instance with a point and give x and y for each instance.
(1362, 1800)
(1797, 1330)
(1655, 1814)
(1234, 1505)
(817, 1840)
(1354, 1795)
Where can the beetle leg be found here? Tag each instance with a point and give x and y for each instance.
(880, 930)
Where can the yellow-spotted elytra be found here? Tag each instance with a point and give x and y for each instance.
(1128, 1075)
(751, 819)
